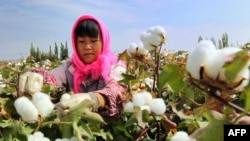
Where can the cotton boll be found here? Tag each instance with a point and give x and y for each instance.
(181, 136)
(117, 71)
(151, 29)
(159, 30)
(158, 106)
(30, 137)
(26, 109)
(149, 82)
(132, 49)
(221, 57)
(138, 100)
(43, 103)
(227, 54)
(129, 106)
(199, 57)
(141, 50)
(38, 134)
(73, 139)
(144, 38)
(45, 139)
(151, 39)
(147, 96)
(65, 96)
(65, 139)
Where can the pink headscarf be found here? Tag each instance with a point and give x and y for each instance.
(100, 67)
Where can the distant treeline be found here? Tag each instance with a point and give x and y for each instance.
(53, 54)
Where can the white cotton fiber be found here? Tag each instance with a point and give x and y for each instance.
(181, 136)
(200, 56)
(43, 103)
(138, 99)
(129, 106)
(158, 106)
(26, 109)
(65, 96)
(143, 98)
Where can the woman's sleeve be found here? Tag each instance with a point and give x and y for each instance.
(60, 76)
(113, 95)
(48, 78)
(113, 92)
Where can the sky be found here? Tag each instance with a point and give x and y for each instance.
(46, 22)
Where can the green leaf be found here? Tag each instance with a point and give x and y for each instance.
(131, 121)
(240, 61)
(171, 75)
(246, 93)
(82, 130)
(213, 131)
(92, 117)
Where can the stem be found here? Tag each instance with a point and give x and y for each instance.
(143, 132)
(230, 104)
(17, 85)
(158, 131)
(212, 92)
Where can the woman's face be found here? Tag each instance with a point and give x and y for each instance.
(88, 48)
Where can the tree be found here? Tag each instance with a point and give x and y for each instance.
(38, 55)
(50, 53)
(200, 38)
(32, 50)
(56, 51)
(224, 40)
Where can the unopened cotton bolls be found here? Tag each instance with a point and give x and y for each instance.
(181, 136)
(26, 109)
(158, 106)
(43, 103)
(200, 56)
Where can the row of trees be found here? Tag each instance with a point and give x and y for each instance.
(52, 55)
(223, 42)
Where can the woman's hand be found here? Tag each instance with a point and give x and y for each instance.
(74, 100)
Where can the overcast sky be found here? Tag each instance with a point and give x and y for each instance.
(44, 22)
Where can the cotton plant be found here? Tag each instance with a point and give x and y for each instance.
(144, 101)
(30, 109)
(154, 37)
(137, 50)
(213, 61)
(37, 136)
